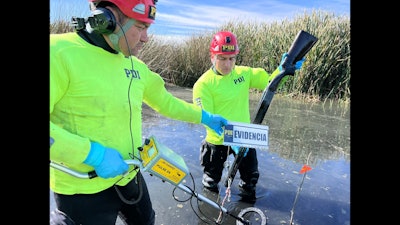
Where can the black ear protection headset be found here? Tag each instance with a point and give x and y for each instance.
(101, 20)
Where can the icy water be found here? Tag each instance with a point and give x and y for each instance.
(300, 133)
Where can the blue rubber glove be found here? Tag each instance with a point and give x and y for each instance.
(215, 122)
(297, 66)
(107, 162)
(237, 148)
(299, 63)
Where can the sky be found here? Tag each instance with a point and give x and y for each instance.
(180, 18)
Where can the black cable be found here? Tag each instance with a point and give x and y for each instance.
(201, 215)
(131, 202)
(132, 155)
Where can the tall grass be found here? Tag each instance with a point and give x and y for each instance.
(325, 74)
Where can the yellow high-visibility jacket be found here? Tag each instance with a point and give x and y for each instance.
(97, 96)
(228, 95)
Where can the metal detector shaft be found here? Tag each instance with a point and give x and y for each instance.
(212, 203)
(202, 198)
(299, 48)
(88, 175)
(93, 174)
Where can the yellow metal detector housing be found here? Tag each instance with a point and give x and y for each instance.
(159, 160)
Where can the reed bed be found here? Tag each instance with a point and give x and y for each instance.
(325, 74)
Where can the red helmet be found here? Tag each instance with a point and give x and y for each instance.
(142, 10)
(224, 42)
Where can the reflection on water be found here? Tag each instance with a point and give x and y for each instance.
(298, 129)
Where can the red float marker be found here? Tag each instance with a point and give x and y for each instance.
(305, 168)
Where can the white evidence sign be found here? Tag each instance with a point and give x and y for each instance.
(246, 135)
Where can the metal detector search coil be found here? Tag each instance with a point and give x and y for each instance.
(161, 161)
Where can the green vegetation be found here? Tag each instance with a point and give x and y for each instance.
(325, 75)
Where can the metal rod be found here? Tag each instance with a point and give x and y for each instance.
(201, 197)
(88, 175)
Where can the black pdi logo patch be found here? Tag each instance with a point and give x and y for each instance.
(228, 48)
(152, 12)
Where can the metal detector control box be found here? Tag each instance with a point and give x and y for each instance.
(163, 162)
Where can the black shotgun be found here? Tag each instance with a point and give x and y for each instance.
(300, 47)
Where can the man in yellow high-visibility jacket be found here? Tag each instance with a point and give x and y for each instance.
(224, 89)
(97, 87)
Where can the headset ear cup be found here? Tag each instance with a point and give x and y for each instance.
(103, 21)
